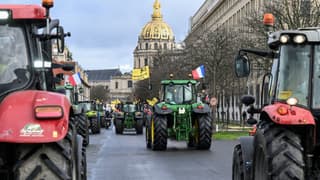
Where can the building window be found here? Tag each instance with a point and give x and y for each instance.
(129, 84)
(165, 46)
(155, 45)
(147, 46)
(117, 85)
(146, 62)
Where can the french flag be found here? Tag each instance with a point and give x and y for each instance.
(75, 79)
(199, 72)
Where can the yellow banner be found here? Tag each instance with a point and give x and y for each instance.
(152, 102)
(117, 101)
(141, 74)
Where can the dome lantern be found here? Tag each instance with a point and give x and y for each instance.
(157, 29)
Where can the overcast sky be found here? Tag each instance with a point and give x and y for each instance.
(105, 32)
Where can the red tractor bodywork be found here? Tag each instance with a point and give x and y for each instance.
(294, 115)
(18, 114)
(33, 12)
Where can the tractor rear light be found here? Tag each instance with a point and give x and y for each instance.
(5, 14)
(299, 39)
(200, 106)
(164, 107)
(48, 112)
(282, 110)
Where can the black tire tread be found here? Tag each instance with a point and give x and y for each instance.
(284, 152)
(205, 132)
(160, 133)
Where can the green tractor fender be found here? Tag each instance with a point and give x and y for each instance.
(119, 115)
(138, 115)
(162, 109)
(200, 108)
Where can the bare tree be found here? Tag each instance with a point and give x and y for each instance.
(100, 92)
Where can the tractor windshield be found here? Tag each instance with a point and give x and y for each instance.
(178, 94)
(129, 108)
(13, 59)
(294, 73)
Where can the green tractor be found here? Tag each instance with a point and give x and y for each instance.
(128, 117)
(91, 110)
(81, 121)
(105, 122)
(179, 116)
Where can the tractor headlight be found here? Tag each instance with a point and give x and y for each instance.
(292, 101)
(299, 39)
(5, 14)
(284, 39)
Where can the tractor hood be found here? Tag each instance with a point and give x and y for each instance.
(27, 117)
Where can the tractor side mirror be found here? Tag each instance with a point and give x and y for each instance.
(60, 39)
(242, 66)
(252, 121)
(247, 100)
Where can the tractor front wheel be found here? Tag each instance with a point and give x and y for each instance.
(119, 126)
(237, 164)
(205, 132)
(95, 125)
(139, 126)
(159, 133)
(278, 154)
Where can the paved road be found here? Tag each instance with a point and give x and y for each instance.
(124, 157)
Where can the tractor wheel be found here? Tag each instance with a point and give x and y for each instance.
(148, 134)
(83, 128)
(237, 164)
(139, 126)
(159, 133)
(82, 161)
(205, 132)
(103, 122)
(119, 126)
(54, 161)
(95, 125)
(278, 154)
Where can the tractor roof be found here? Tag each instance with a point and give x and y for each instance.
(312, 35)
(164, 82)
(32, 12)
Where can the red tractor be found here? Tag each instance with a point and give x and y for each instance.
(38, 138)
(286, 141)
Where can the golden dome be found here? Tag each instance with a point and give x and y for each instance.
(157, 28)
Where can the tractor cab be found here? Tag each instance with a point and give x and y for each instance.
(178, 91)
(296, 62)
(26, 47)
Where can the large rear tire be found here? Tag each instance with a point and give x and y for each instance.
(159, 133)
(278, 154)
(237, 164)
(95, 125)
(205, 132)
(83, 128)
(53, 161)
